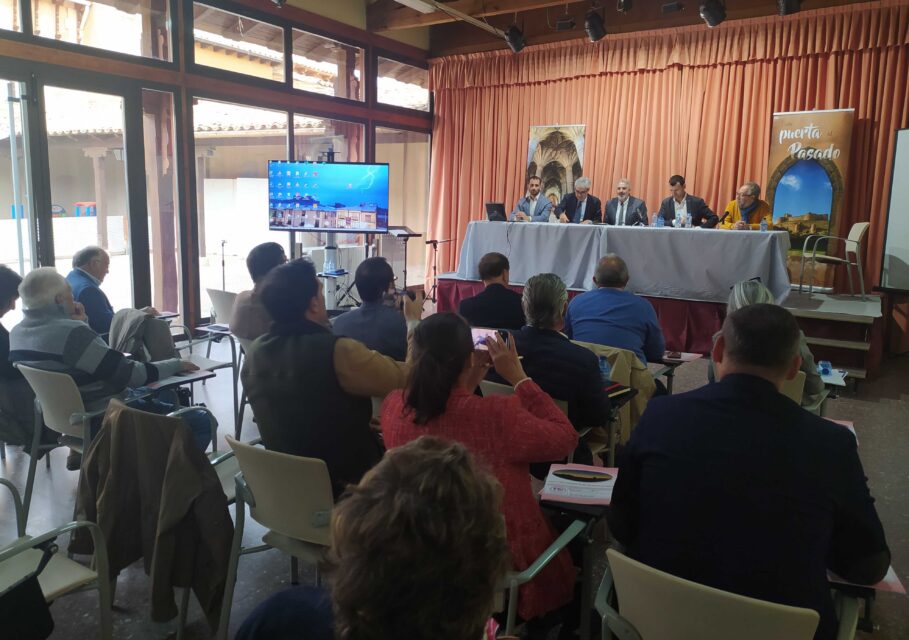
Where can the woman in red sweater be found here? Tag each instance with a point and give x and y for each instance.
(507, 433)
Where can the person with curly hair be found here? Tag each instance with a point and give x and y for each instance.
(418, 548)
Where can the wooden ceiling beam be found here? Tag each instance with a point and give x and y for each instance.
(388, 15)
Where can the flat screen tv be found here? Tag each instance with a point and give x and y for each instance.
(344, 197)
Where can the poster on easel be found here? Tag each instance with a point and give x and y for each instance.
(808, 168)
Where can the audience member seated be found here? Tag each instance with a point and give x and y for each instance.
(376, 324)
(507, 433)
(496, 306)
(418, 548)
(564, 370)
(735, 486)
(249, 319)
(90, 266)
(753, 292)
(17, 408)
(612, 316)
(53, 335)
(310, 389)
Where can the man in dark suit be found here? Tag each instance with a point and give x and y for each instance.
(681, 205)
(625, 209)
(497, 306)
(735, 486)
(562, 369)
(580, 206)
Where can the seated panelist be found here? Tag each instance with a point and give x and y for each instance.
(747, 210)
(625, 209)
(580, 206)
(532, 207)
(680, 205)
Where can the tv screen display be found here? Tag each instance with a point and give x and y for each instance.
(318, 196)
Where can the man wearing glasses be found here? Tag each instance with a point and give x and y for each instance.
(580, 206)
(747, 210)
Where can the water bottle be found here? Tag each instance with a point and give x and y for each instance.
(687, 222)
(605, 370)
(763, 224)
(659, 221)
(824, 368)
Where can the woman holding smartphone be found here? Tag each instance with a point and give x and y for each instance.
(506, 432)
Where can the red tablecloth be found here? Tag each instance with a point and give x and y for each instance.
(687, 325)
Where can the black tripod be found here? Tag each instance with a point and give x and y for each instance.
(435, 267)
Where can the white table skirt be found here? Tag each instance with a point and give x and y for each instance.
(688, 264)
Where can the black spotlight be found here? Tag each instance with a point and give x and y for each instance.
(623, 6)
(713, 12)
(594, 26)
(514, 38)
(786, 7)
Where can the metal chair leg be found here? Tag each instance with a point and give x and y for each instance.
(294, 571)
(849, 274)
(232, 563)
(861, 275)
(33, 462)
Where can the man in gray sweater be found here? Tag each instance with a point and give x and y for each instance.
(54, 335)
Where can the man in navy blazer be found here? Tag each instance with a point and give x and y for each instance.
(681, 203)
(533, 207)
(625, 209)
(580, 207)
(497, 306)
(90, 266)
(737, 487)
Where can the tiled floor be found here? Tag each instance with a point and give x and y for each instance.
(880, 411)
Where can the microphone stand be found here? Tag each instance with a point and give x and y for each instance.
(435, 267)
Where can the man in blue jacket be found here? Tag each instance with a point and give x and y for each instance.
(90, 266)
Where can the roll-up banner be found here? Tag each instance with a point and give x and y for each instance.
(808, 169)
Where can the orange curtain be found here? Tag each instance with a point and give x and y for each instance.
(692, 101)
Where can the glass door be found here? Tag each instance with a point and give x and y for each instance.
(87, 179)
(16, 220)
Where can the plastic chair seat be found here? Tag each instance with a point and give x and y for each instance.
(308, 551)
(60, 576)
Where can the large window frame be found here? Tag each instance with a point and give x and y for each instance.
(38, 61)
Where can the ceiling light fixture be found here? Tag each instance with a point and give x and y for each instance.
(787, 7)
(594, 26)
(713, 12)
(514, 38)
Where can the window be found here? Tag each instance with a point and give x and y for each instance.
(85, 147)
(233, 146)
(232, 42)
(9, 15)
(136, 27)
(407, 155)
(327, 140)
(326, 66)
(402, 85)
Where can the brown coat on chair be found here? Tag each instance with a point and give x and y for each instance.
(156, 496)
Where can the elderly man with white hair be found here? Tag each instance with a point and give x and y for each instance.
(90, 267)
(580, 206)
(53, 335)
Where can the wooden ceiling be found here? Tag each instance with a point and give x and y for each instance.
(537, 19)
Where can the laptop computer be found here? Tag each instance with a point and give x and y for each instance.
(495, 212)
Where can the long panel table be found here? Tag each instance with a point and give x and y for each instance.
(687, 264)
